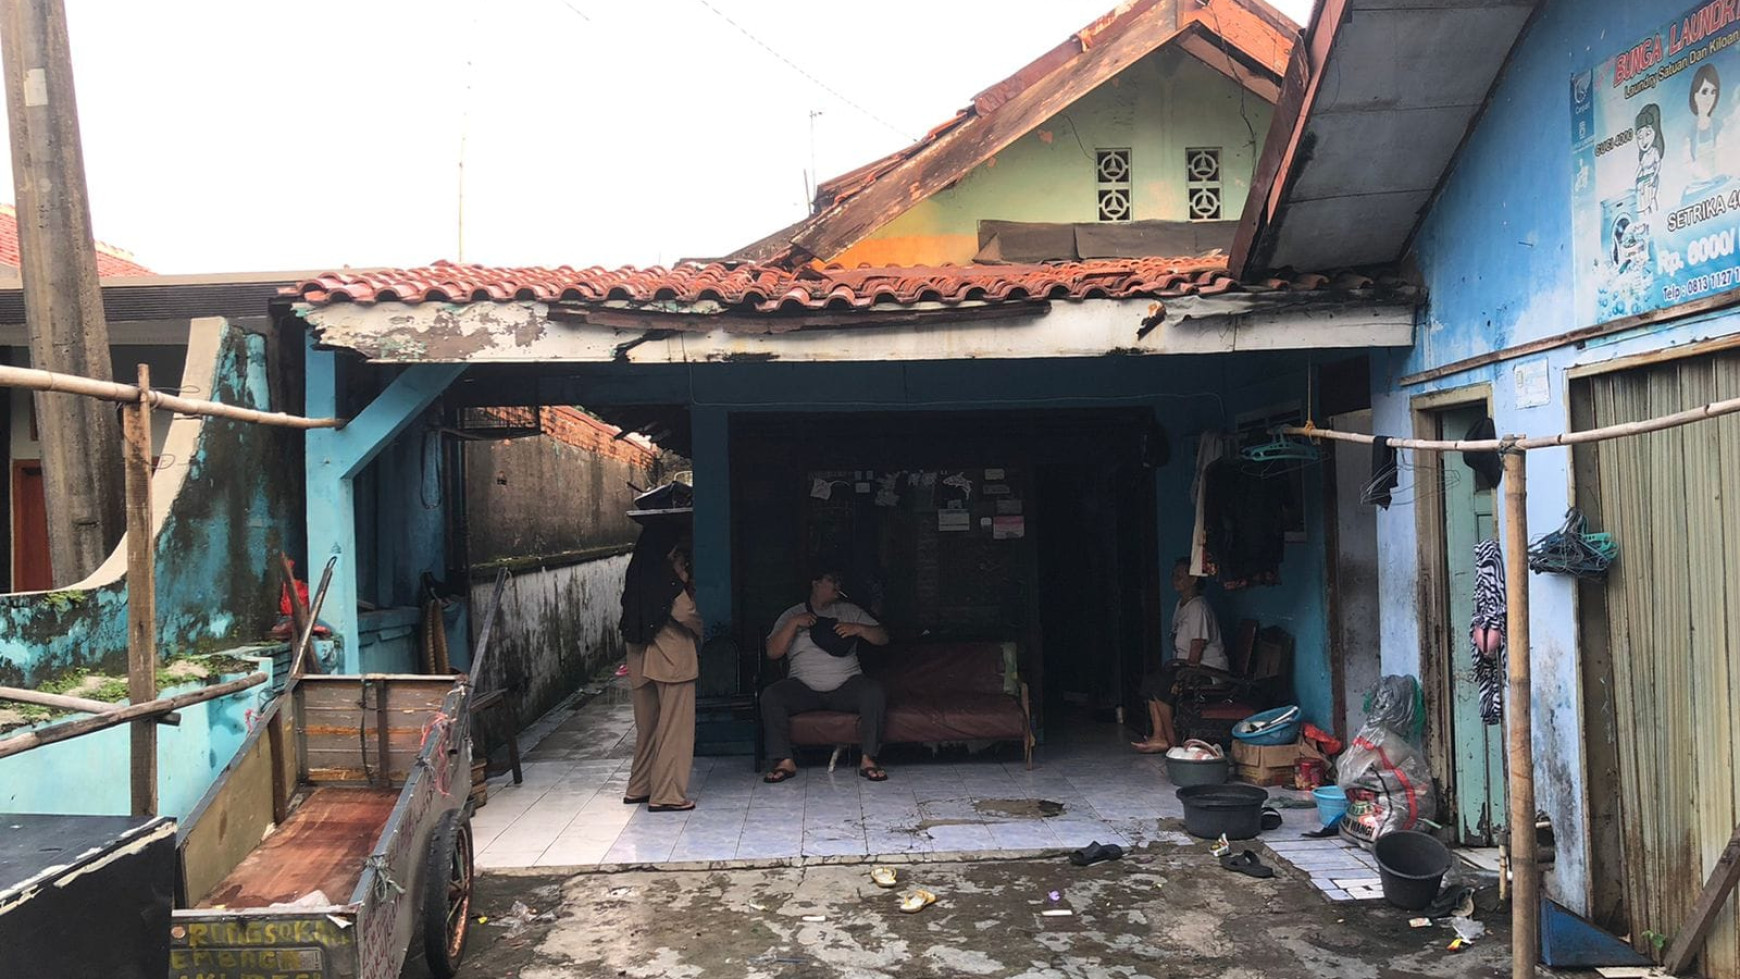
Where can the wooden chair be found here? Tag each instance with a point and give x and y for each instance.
(1212, 700)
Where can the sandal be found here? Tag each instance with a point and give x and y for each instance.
(1247, 863)
(873, 772)
(635, 800)
(883, 876)
(1095, 852)
(917, 901)
(683, 807)
(779, 775)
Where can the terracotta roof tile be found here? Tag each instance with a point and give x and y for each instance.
(111, 261)
(746, 288)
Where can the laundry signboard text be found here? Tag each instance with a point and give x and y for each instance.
(1656, 168)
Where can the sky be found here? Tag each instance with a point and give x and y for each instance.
(271, 135)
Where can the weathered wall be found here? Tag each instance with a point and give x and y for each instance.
(223, 507)
(1497, 258)
(557, 626)
(1159, 107)
(89, 775)
(553, 511)
(565, 493)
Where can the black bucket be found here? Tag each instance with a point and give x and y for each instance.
(1412, 866)
(1233, 810)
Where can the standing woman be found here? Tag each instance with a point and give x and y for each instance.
(661, 679)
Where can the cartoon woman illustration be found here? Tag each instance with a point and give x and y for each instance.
(1650, 145)
(1705, 92)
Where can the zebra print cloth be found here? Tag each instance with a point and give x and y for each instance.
(1489, 614)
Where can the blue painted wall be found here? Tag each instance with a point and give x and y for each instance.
(214, 588)
(1187, 394)
(89, 775)
(1496, 256)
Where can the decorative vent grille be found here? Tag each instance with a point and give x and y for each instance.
(1112, 177)
(1202, 182)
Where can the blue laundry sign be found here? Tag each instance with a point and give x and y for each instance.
(1655, 150)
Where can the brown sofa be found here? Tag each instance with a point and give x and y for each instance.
(945, 691)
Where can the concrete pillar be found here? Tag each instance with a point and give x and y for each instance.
(711, 455)
(334, 458)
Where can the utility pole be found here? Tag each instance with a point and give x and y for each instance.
(81, 437)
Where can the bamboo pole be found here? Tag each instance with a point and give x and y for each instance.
(35, 380)
(63, 702)
(87, 725)
(141, 595)
(1525, 939)
(1714, 409)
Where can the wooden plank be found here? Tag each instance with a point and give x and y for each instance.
(230, 822)
(141, 595)
(322, 847)
(967, 145)
(1707, 680)
(1703, 914)
(1705, 305)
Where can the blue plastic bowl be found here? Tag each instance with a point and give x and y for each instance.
(1279, 734)
(1331, 803)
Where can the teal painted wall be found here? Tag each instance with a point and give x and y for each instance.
(89, 775)
(214, 590)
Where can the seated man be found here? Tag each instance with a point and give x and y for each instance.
(1195, 641)
(821, 637)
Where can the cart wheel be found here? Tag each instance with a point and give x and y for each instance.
(447, 895)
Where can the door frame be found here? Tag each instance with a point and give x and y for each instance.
(1433, 596)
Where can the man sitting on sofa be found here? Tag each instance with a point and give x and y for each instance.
(821, 637)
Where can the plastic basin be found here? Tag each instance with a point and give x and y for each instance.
(1233, 809)
(1331, 803)
(1412, 866)
(1191, 771)
(1277, 734)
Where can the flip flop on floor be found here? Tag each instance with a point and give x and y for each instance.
(1247, 863)
(873, 772)
(1095, 852)
(779, 775)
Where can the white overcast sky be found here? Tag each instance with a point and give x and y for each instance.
(253, 135)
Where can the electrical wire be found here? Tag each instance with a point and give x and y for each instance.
(794, 67)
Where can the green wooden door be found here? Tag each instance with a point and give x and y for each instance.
(1477, 750)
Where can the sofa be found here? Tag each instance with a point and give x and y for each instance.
(937, 692)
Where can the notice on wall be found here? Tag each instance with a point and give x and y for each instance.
(954, 520)
(1532, 388)
(1655, 150)
(1008, 528)
(1009, 506)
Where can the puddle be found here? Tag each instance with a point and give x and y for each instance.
(1019, 808)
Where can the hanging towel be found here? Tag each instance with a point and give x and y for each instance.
(1486, 633)
(1487, 466)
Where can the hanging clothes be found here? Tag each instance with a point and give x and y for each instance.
(1487, 631)
(1383, 473)
(1246, 518)
(1211, 447)
(1488, 467)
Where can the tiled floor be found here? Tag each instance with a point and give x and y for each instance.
(569, 811)
(1341, 870)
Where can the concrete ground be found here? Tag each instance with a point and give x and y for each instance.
(1162, 911)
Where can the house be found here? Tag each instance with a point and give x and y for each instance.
(1562, 176)
(1050, 393)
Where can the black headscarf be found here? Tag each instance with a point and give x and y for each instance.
(651, 584)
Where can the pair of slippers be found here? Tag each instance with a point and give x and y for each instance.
(1247, 862)
(1094, 853)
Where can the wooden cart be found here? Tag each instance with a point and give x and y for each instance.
(337, 844)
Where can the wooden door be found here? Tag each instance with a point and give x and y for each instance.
(1660, 686)
(1477, 749)
(32, 569)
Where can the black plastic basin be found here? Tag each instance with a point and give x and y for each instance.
(1233, 810)
(1412, 866)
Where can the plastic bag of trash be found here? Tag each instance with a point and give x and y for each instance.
(1387, 780)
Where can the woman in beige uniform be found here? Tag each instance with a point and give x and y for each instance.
(661, 678)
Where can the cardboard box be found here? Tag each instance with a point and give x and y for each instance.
(1270, 764)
